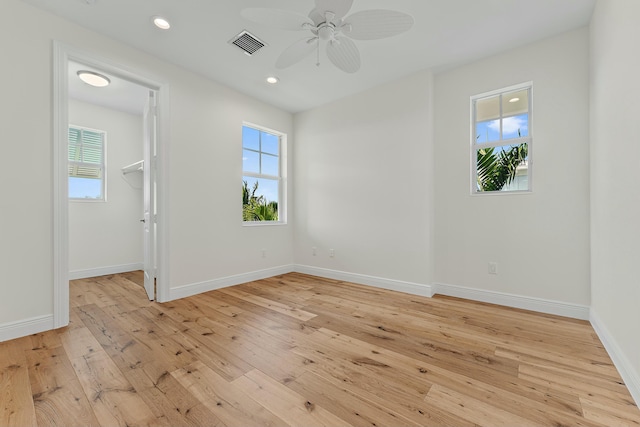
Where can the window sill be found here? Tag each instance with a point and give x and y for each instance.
(88, 200)
(262, 223)
(501, 193)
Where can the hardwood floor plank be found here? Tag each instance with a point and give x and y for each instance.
(483, 366)
(163, 322)
(610, 413)
(203, 345)
(227, 402)
(472, 410)
(360, 354)
(286, 404)
(16, 401)
(136, 277)
(264, 314)
(273, 288)
(211, 300)
(546, 405)
(89, 291)
(79, 342)
(44, 340)
(285, 309)
(127, 296)
(572, 384)
(429, 371)
(173, 405)
(390, 392)
(441, 343)
(57, 395)
(268, 355)
(170, 403)
(350, 407)
(209, 351)
(114, 400)
(536, 356)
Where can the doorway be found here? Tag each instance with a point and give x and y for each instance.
(153, 171)
(111, 177)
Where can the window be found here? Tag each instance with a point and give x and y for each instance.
(86, 164)
(501, 139)
(262, 183)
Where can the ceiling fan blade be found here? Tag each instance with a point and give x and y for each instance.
(339, 7)
(317, 17)
(376, 24)
(344, 54)
(296, 52)
(276, 18)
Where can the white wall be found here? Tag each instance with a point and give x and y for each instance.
(108, 234)
(615, 198)
(25, 205)
(207, 239)
(363, 178)
(540, 240)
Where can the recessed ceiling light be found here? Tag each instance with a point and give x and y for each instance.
(514, 100)
(94, 79)
(272, 80)
(161, 23)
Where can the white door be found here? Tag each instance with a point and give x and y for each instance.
(149, 219)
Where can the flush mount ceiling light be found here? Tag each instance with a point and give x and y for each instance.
(161, 23)
(272, 80)
(514, 100)
(94, 79)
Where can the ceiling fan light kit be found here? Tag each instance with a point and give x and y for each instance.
(328, 23)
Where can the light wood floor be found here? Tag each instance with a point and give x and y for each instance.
(302, 351)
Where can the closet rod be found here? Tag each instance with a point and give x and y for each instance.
(134, 167)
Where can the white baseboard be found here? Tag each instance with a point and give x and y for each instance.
(22, 328)
(103, 271)
(224, 282)
(629, 375)
(574, 311)
(378, 282)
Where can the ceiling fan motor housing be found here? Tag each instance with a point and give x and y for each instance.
(326, 31)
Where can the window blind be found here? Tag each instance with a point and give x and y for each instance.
(86, 153)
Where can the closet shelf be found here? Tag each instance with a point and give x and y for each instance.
(134, 167)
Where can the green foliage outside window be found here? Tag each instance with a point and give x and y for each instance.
(497, 168)
(257, 208)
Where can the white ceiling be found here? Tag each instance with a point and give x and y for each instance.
(446, 33)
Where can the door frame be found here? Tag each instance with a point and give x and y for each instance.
(62, 54)
(149, 133)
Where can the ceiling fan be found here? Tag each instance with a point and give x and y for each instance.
(328, 22)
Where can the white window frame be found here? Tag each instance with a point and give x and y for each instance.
(475, 146)
(102, 166)
(281, 178)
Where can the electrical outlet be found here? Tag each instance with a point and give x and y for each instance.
(264, 253)
(314, 251)
(493, 268)
(332, 253)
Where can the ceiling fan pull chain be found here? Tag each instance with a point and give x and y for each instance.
(318, 53)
